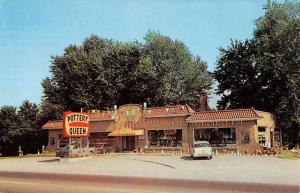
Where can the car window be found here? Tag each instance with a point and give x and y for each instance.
(201, 145)
(66, 148)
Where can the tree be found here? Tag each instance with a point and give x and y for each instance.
(237, 76)
(100, 73)
(29, 133)
(264, 72)
(180, 77)
(21, 127)
(9, 122)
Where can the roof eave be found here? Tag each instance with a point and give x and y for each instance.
(161, 116)
(94, 120)
(219, 120)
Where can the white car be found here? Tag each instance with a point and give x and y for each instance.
(74, 150)
(202, 149)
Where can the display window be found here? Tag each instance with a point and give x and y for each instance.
(216, 136)
(165, 138)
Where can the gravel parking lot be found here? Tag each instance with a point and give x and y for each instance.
(256, 169)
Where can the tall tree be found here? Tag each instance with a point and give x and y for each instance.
(264, 72)
(101, 72)
(180, 77)
(21, 127)
(29, 134)
(9, 124)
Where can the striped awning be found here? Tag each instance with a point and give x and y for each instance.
(126, 132)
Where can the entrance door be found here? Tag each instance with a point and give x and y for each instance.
(129, 143)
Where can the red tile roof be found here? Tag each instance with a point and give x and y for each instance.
(178, 110)
(101, 116)
(58, 124)
(234, 114)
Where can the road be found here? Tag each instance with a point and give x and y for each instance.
(249, 169)
(30, 182)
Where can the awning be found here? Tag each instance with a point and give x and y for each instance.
(126, 132)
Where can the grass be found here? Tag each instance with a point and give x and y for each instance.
(286, 154)
(27, 156)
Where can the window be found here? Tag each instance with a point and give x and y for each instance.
(164, 138)
(52, 141)
(201, 145)
(246, 137)
(216, 136)
(262, 140)
(261, 129)
(60, 137)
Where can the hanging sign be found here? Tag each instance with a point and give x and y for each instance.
(76, 124)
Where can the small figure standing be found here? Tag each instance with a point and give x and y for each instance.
(20, 151)
(43, 149)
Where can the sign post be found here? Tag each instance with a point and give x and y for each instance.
(76, 125)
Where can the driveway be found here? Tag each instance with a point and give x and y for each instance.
(252, 169)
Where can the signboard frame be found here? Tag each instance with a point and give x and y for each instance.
(80, 122)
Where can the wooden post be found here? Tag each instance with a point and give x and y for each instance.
(70, 142)
(80, 145)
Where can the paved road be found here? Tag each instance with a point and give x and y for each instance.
(248, 169)
(26, 182)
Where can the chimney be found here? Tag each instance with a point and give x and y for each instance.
(203, 101)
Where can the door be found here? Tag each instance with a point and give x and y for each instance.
(129, 143)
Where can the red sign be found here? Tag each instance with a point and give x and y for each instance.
(76, 124)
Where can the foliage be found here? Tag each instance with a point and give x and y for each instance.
(20, 128)
(101, 72)
(264, 72)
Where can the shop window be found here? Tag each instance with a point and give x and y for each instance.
(246, 137)
(216, 136)
(165, 138)
(52, 141)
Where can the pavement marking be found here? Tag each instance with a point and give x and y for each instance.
(153, 162)
(14, 182)
(51, 184)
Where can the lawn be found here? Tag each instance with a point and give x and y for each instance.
(28, 156)
(286, 154)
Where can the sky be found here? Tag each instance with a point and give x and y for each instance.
(33, 31)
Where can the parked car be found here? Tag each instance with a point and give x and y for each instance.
(202, 149)
(74, 150)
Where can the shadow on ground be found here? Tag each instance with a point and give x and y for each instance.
(50, 160)
(190, 158)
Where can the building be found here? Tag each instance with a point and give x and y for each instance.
(173, 129)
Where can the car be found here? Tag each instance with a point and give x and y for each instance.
(202, 149)
(74, 150)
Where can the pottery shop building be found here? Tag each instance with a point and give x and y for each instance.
(173, 130)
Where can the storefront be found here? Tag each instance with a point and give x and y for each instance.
(236, 130)
(173, 130)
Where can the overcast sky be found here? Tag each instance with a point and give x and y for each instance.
(32, 31)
